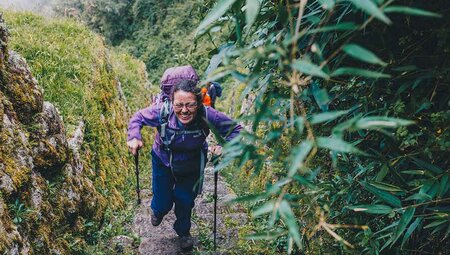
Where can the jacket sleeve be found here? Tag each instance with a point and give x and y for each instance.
(144, 117)
(226, 126)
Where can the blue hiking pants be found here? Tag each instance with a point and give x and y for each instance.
(169, 189)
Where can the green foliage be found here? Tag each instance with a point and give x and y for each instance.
(345, 142)
(160, 33)
(132, 75)
(111, 18)
(19, 212)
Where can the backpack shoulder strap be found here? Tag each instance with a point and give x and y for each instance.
(164, 121)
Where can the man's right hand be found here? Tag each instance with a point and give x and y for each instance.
(134, 145)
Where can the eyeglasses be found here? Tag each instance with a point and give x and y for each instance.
(190, 106)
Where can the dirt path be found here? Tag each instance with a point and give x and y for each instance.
(163, 239)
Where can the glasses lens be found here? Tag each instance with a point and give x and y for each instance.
(190, 106)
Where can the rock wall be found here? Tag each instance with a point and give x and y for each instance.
(45, 195)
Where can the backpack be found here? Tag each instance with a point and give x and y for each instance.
(169, 79)
(218, 88)
(206, 97)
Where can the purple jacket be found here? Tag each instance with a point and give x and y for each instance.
(182, 147)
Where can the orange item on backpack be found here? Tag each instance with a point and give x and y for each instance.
(206, 98)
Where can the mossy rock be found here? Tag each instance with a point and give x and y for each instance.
(17, 162)
(64, 189)
(3, 44)
(21, 88)
(8, 231)
(50, 150)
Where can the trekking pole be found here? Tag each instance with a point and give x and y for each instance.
(215, 160)
(136, 163)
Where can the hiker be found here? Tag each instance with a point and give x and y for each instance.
(179, 159)
(212, 93)
(206, 98)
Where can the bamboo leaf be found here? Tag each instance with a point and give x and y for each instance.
(359, 72)
(304, 181)
(439, 228)
(381, 122)
(300, 124)
(411, 229)
(251, 12)
(372, 9)
(247, 198)
(444, 185)
(363, 54)
(373, 209)
(411, 11)
(414, 172)
(217, 11)
(426, 186)
(299, 154)
(269, 235)
(320, 96)
(278, 185)
(386, 186)
(383, 172)
(337, 144)
(419, 196)
(383, 195)
(326, 116)
(403, 223)
(291, 222)
(428, 166)
(265, 208)
(434, 189)
(309, 68)
(436, 223)
(339, 27)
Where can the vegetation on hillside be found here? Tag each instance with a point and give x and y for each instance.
(346, 143)
(348, 105)
(80, 75)
(160, 33)
(347, 109)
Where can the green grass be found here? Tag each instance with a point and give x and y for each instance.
(61, 54)
(79, 74)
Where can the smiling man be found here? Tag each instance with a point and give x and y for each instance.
(179, 149)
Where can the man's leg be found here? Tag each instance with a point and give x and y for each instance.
(162, 186)
(184, 196)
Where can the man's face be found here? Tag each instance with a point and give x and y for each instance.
(185, 106)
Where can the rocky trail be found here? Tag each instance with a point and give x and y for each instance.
(163, 239)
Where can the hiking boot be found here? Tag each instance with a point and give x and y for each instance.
(186, 243)
(156, 220)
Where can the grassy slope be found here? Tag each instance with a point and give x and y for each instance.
(78, 74)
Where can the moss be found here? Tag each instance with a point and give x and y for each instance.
(51, 158)
(19, 174)
(132, 75)
(21, 89)
(72, 64)
(8, 232)
(2, 109)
